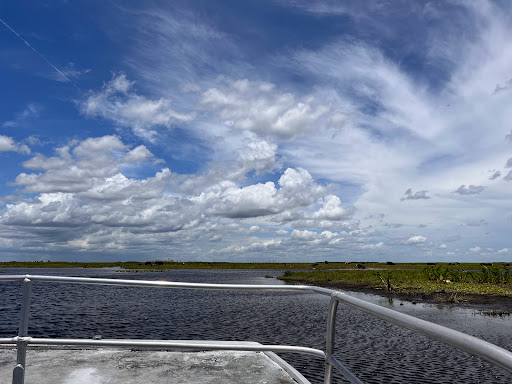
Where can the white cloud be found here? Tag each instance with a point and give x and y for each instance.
(75, 169)
(140, 153)
(332, 210)
(416, 240)
(84, 201)
(373, 246)
(118, 103)
(297, 189)
(503, 251)
(311, 238)
(258, 155)
(258, 246)
(475, 249)
(257, 107)
(7, 144)
(443, 246)
(303, 235)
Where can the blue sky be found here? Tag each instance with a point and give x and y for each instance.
(256, 130)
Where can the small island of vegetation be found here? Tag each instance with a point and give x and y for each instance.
(484, 283)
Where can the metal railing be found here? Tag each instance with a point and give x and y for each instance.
(490, 352)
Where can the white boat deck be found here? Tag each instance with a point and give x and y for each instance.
(122, 366)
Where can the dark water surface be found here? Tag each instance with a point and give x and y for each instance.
(376, 351)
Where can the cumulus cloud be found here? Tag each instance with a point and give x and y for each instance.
(257, 107)
(75, 168)
(443, 246)
(416, 196)
(315, 238)
(508, 176)
(297, 189)
(83, 186)
(475, 249)
(117, 102)
(140, 153)
(416, 240)
(258, 155)
(471, 190)
(332, 210)
(373, 246)
(503, 251)
(509, 136)
(83, 200)
(257, 246)
(7, 144)
(508, 164)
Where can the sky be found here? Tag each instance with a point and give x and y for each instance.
(257, 130)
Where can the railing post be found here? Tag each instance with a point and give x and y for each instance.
(329, 340)
(18, 374)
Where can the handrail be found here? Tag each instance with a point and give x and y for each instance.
(167, 284)
(490, 352)
(167, 344)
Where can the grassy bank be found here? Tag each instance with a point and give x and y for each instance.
(472, 283)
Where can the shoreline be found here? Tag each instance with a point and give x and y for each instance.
(402, 278)
(473, 301)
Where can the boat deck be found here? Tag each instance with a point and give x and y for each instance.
(122, 366)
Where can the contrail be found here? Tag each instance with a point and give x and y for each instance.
(39, 54)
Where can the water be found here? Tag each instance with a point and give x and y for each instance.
(378, 352)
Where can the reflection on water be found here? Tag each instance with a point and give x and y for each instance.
(377, 351)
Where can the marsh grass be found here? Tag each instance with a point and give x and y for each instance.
(444, 285)
(488, 274)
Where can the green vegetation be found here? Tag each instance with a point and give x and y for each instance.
(433, 283)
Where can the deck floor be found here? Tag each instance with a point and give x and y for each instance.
(102, 366)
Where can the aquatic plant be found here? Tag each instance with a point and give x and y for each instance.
(494, 275)
(386, 279)
(495, 313)
(442, 274)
